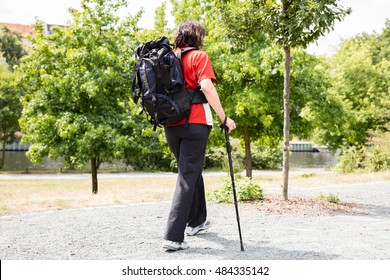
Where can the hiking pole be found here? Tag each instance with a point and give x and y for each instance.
(228, 149)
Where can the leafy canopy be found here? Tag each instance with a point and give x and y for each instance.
(78, 86)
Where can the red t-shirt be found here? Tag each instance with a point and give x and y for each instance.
(197, 66)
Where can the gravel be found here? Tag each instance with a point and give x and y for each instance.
(135, 231)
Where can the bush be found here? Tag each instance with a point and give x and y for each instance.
(246, 190)
(216, 157)
(376, 160)
(264, 157)
(329, 198)
(350, 160)
(363, 159)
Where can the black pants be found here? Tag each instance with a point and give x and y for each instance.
(188, 144)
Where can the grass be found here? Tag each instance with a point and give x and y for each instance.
(19, 196)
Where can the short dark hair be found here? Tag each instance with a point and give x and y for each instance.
(189, 33)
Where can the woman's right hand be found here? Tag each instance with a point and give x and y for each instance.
(230, 124)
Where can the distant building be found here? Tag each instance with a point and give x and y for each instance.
(23, 29)
(48, 28)
(26, 30)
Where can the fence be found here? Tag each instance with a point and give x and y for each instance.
(15, 146)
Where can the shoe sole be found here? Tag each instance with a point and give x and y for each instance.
(200, 229)
(169, 248)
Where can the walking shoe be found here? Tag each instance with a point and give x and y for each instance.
(194, 230)
(174, 246)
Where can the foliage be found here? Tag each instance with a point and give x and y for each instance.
(11, 46)
(246, 190)
(188, 9)
(216, 156)
(160, 27)
(10, 108)
(266, 157)
(350, 160)
(78, 82)
(290, 23)
(362, 158)
(160, 21)
(78, 104)
(358, 103)
(250, 83)
(376, 160)
(250, 86)
(263, 157)
(150, 151)
(307, 175)
(331, 198)
(78, 87)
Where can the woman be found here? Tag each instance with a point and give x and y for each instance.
(188, 139)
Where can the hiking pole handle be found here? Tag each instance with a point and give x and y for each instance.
(225, 130)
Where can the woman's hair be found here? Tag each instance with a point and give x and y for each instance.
(190, 33)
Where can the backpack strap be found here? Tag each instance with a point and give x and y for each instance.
(197, 96)
(135, 87)
(184, 51)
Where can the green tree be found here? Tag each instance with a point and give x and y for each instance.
(189, 9)
(361, 86)
(12, 47)
(160, 27)
(326, 114)
(250, 76)
(289, 23)
(160, 21)
(250, 85)
(10, 108)
(358, 104)
(78, 84)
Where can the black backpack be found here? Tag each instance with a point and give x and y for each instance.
(158, 82)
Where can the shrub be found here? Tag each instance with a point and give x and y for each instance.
(363, 159)
(246, 190)
(308, 175)
(329, 198)
(376, 160)
(349, 160)
(216, 157)
(264, 157)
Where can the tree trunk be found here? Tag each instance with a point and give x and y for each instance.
(286, 123)
(2, 160)
(248, 154)
(94, 175)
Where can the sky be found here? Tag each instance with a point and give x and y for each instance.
(367, 16)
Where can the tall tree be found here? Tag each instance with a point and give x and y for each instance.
(189, 9)
(78, 83)
(250, 76)
(289, 23)
(10, 108)
(360, 88)
(160, 21)
(11, 46)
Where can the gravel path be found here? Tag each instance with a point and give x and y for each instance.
(135, 231)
